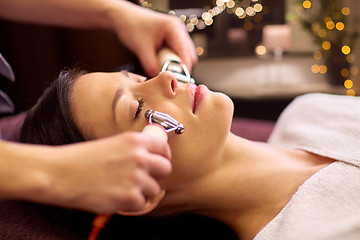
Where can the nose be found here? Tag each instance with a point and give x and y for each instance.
(167, 82)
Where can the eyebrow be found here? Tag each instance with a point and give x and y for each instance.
(119, 92)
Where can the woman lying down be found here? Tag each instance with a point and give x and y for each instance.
(303, 184)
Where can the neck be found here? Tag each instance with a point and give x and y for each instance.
(251, 185)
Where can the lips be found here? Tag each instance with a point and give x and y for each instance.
(197, 93)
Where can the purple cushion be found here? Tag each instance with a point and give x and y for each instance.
(255, 130)
(10, 127)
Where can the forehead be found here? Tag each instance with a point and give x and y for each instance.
(91, 100)
(96, 86)
(97, 79)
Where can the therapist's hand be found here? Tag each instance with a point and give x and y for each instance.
(105, 176)
(145, 31)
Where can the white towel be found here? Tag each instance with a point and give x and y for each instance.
(325, 124)
(327, 205)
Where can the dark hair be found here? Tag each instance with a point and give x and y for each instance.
(51, 121)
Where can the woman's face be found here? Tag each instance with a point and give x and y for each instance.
(105, 104)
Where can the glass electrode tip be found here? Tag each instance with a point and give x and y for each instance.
(165, 120)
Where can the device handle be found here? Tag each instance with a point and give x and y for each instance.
(166, 54)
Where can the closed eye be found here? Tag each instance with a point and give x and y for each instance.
(139, 109)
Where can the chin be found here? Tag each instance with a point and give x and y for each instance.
(225, 107)
(217, 121)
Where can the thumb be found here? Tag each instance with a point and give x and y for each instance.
(149, 61)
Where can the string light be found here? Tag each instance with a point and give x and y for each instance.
(327, 20)
(241, 8)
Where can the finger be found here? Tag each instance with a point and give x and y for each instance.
(189, 58)
(149, 61)
(182, 45)
(158, 167)
(146, 188)
(150, 187)
(156, 145)
(186, 50)
(132, 201)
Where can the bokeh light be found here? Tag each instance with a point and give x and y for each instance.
(317, 55)
(346, 50)
(307, 4)
(258, 7)
(183, 18)
(340, 26)
(345, 11)
(348, 84)
(345, 72)
(219, 2)
(323, 69)
(199, 51)
(322, 33)
(209, 22)
(354, 70)
(327, 19)
(206, 16)
(190, 27)
(350, 58)
(326, 45)
(250, 11)
(260, 50)
(230, 4)
(330, 25)
(239, 11)
(315, 68)
(350, 92)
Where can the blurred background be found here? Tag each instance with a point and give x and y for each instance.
(261, 53)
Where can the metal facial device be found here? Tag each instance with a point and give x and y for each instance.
(165, 120)
(171, 62)
(179, 69)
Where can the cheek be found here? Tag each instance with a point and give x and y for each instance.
(194, 152)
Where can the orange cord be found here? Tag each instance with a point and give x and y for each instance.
(98, 224)
(101, 219)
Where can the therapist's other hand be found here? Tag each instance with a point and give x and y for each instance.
(113, 174)
(146, 31)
